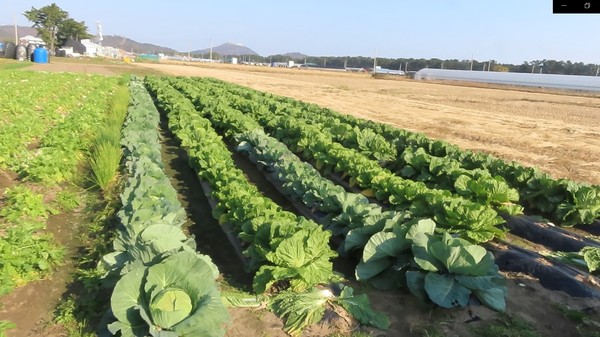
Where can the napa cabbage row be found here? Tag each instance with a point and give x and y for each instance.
(563, 200)
(366, 225)
(302, 308)
(299, 309)
(162, 286)
(474, 221)
(389, 259)
(32, 103)
(341, 211)
(436, 172)
(282, 248)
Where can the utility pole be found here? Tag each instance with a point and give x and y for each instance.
(442, 64)
(406, 67)
(532, 67)
(471, 62)
(16, 32)
(211, 49)
(374, 60)
(598, 70)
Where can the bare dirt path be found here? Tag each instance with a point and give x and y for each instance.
(558, 132)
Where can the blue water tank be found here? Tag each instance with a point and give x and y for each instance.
(40, 55)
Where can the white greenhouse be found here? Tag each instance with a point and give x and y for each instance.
(569, 82)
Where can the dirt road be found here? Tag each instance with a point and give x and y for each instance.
(558, 132)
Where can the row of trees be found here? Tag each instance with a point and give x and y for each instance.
(412, 64)
(55, 26)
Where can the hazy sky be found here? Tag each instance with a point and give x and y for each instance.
(509, 31)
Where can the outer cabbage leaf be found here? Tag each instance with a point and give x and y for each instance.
(360, 308)
(445, 291)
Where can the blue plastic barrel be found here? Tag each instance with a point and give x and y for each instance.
(40, 55)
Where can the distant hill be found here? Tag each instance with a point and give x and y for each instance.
(7, 33)
(296, 55)
(228, 48)
(130, 45)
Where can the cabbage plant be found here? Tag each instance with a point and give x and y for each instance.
(175, 298)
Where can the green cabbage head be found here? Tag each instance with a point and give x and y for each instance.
(177, 297)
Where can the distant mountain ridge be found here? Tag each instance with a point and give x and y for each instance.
(228, 48)
(7, 33)
(133, 46)
(296, 55)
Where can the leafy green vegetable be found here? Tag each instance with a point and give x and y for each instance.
(591, 255)
(23, 204)
(584, 208)
(453, 269)
(37, 253)
(360, 308)
(301, 310)
(587, 258)
(178, 295)
(303, 257)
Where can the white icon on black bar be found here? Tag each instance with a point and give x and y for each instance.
(576, 7)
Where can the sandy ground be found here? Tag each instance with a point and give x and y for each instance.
(556, 131)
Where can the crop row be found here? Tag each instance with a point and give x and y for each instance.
(472, 220)
(270, 234)
(563, 200)
(161, 284)
(291, 253)
(382, 237)
(436, 172)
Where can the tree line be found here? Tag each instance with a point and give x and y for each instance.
(413, 64)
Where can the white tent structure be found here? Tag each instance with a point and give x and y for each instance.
(569, 82)
(25, 40)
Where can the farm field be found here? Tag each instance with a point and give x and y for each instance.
(557, 132)
(203, 170)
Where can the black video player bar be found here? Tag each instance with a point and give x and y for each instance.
(576, 7)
